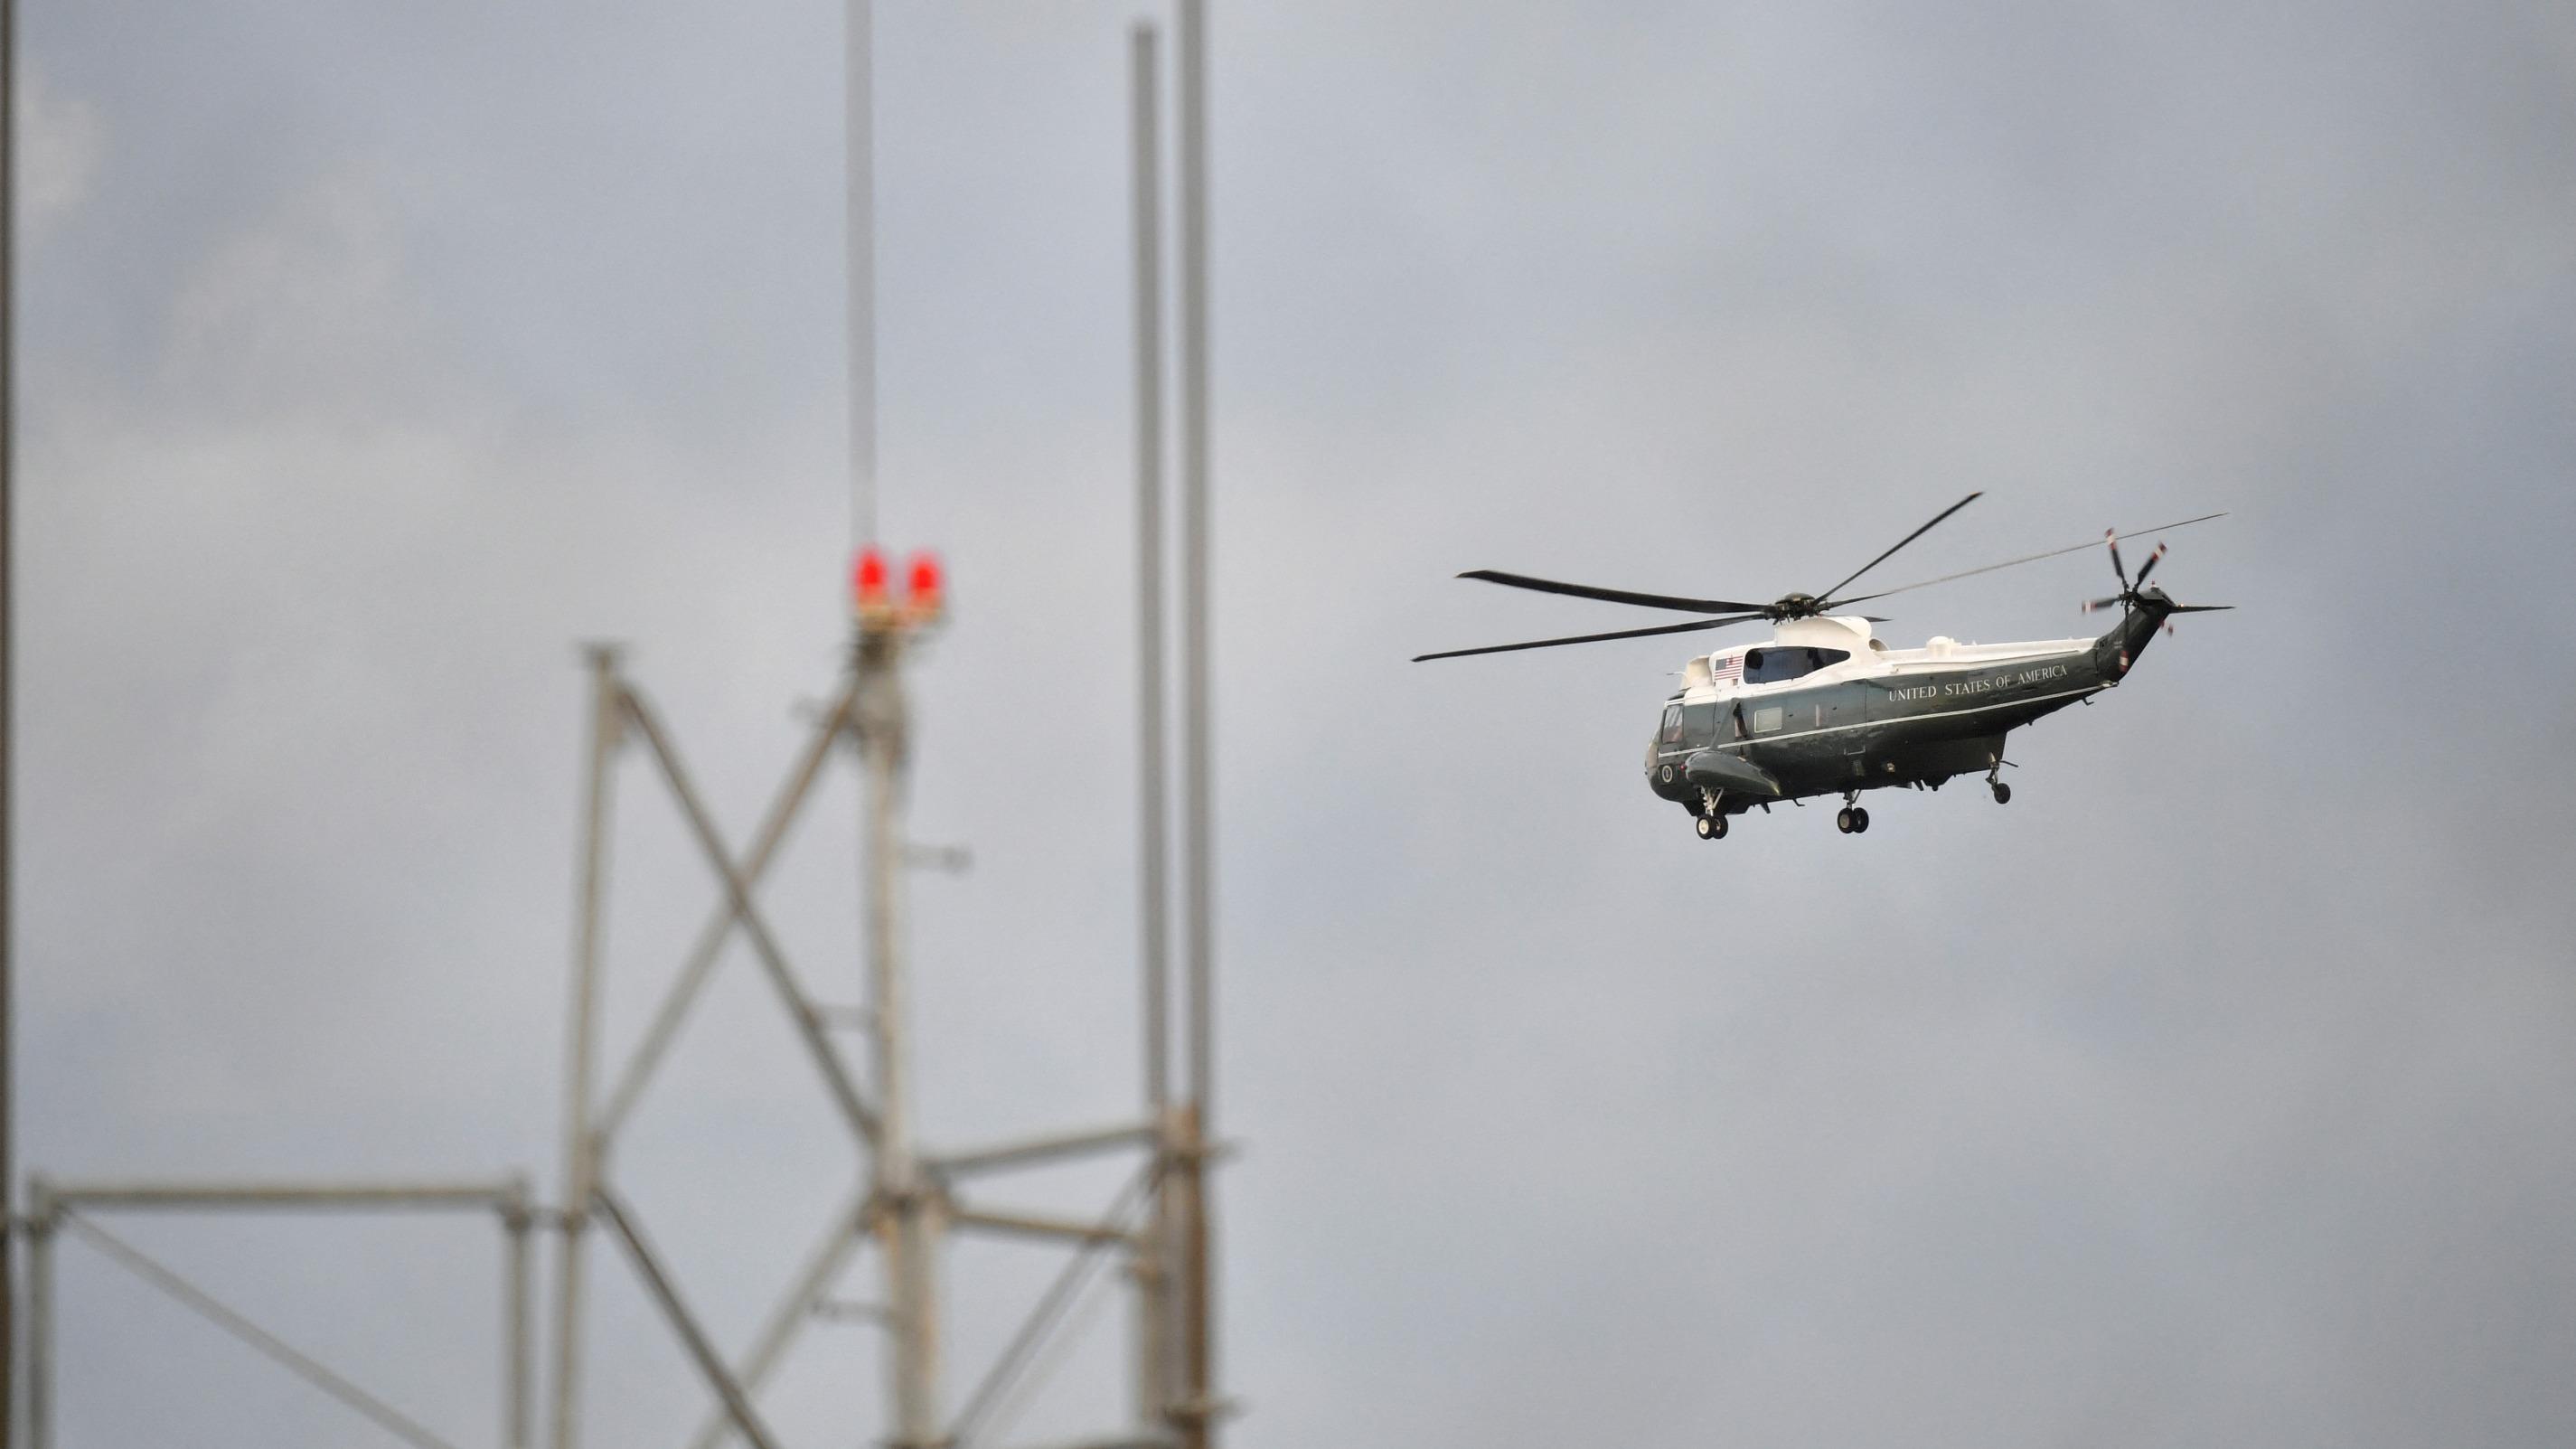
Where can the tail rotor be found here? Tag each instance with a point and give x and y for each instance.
(2149, 566)
(2135, 594)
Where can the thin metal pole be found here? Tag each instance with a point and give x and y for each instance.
(1198, 1293)
(41, 1211)
(1193, 1411)
(1151, 1266)
(285, 1196)
(8, 703)
(1035, 1151)
(1152, 766)
(859, 99)
(1045, 1227)
(1194, 548)
(518, 1220)
(1118, 1441)
(1156, 1268)
(580, 1165)
(906, 1200)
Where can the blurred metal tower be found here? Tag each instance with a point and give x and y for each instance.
(911, 1199)
(908, 1199)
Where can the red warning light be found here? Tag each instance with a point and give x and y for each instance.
(878, 610)
(922, 587)
(868, 579)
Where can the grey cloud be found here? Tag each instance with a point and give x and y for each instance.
(384, 357)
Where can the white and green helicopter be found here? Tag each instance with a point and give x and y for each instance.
(1824, 708)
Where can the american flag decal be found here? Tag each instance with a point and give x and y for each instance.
(1726, 669)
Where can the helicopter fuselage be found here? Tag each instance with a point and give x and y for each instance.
(1826, 709)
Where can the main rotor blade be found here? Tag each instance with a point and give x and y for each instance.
(1615, 596)
(2202, 608)
(2017, 562)
(1828, 594)
(1597, 638)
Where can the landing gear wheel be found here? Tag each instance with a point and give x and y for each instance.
(1712, 827)
(1860, 821)
(2003, 793)
(1843, 820)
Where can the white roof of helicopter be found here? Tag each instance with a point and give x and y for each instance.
(1833, 631)
(1721, 672)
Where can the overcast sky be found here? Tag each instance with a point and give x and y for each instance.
(2220, 1090)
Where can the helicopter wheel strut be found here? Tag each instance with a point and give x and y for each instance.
(1712, 827)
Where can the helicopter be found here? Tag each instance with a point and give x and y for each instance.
(1824, 707)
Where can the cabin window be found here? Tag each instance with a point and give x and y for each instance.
(1779, 662)
(1699, 724)
(1672, 730)
(1766, 720)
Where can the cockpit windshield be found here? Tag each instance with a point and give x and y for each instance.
(1687, 726)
